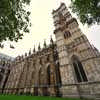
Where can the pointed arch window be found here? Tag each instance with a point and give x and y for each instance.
(48, 75)
(1, 77)
(79, 71)
(67, 34)
(58, 75)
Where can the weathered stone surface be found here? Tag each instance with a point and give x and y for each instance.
(70, 67)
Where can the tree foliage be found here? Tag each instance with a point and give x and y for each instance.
(14, 19)
(88, 11)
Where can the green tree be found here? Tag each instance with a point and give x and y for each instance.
(14, 19)
(88, 11)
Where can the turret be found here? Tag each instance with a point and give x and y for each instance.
(34, 49)
(45, 45)
(51, 41)
(39, 48)
(30, 52)
(25, 54)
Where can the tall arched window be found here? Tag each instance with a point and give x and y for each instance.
(67, 34)
(58, 76)
(1, 77)
(79, 71)
(48, 75)
(40, 77)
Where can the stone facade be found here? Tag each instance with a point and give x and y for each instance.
(79, 61)
(34, 70)
(69, 67)
(5, 62)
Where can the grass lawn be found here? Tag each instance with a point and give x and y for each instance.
(15, 97)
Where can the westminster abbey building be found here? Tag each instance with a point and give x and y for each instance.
(67, 67)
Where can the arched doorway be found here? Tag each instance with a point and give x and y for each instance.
(43, 82)
(51, 75)
(79, 71)
(51, 80)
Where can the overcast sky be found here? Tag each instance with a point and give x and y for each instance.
(42, 28)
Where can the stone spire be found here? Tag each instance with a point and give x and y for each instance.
(22, 57)
(45, 45)
(25, 54)
(51, 40)
(30, 52)
(19, 57)
(34, 49)
(39, 48)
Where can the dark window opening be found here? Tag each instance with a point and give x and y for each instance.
(40, 76)
(55, 56)
(82, 71)
(1, 78)
(67, 34)
(48, 75)
(58, 76)
(48, 58)
(79, 71)
(40, 61)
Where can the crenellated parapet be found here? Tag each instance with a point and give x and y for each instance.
(41, 51)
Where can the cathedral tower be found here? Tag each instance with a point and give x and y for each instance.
(68, 67)
(79, 61)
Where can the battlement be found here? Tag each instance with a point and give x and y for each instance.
(45, 51)
(62, 6)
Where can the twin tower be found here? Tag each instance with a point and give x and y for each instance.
(70, 67)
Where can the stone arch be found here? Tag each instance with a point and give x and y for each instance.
(78, 69)
(43, 82)
(74, 54)
(40, 76)
(51, 77)
(58, 75)
(1, 77)
(48, 75)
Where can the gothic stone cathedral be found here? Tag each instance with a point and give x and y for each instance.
(69, 67)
